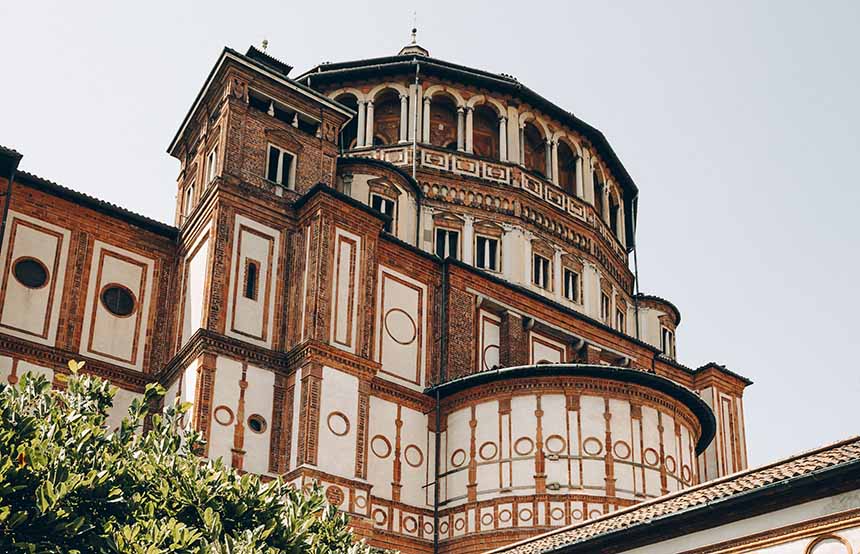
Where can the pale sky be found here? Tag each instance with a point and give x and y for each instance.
(738, 120)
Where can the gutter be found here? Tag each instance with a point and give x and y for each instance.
(13, 169)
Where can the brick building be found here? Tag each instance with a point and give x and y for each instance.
(400, 277)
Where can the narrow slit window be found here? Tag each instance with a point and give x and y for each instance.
(211, 165)
(619, 320)
(189, 199)
(604, 307)
(252, 278)
(667, 342)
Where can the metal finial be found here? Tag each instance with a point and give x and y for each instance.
(414, 35)
(415, 27)
(265, 44)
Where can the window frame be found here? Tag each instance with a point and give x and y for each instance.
(256, 292)
(667, 347)
(605, 307)
(546, 272)
(447, 230)
(291, 173)
(620, 320)
(577, 284)
(390, 227)
(212, 164)
(188, 202)
(498, 264)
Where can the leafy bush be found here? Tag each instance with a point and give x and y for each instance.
(68, 484)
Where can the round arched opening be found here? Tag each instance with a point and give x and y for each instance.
(534, 149)
(485, 132)
(349, 134)
(386, 118)
(443, 122)
(566, 168)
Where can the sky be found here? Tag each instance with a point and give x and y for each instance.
(738, 120)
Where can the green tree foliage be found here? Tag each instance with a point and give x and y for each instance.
(68, 484)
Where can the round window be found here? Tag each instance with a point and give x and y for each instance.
(118, 300)
(30, 273)
(256, 423)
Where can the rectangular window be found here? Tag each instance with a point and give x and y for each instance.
(619, 320)
(540, 271)
(211, 165)
(487, 253)
(447, 243)
(667, 342)
(384, 206)
(604, 307)
(189, 200)
(571, 285)
(280, 166)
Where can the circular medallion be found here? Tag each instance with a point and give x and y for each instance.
(686, 474)
(555, 444)
(487, 519)
(488, 450)
(459, 524)
(592, 446)
(334, 495)
(223, 415)
(360, 501)
(621, 450)
(594, 514)
(458, 458)
(410, 524)
(524, 446)
(338, 424)
(651, 457)
(504, 516)
(671, 466)
(413, 455)
(400, 326)
(443, 527)
(379, 516)
(576, 514)
(557, 514)
(525, 515)
(428, 528)
(118, 300)
(380, 446)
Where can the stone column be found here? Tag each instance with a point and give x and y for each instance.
(469, 126)
(622, 235)
(521, 144)
(362, 123)
(461, 132)
(368, 135)
(425, 136)
(579, 178)
(503, 138)
(554, 160)
(404, 116)
(468, 239)
(605, 214)
(547, 147)
(557, 283)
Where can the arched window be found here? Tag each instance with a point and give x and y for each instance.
(613, 215)
(534, 149)
(566, 168)
(386, 118)
(443, 122)
(252, 271)
(349, 134)
(598, 194)
(485, 132)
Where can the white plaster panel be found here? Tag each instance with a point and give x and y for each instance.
(382, 439)
(345, 289)
(251, 319)
(523, 430)
(28, 313)
(105, 336)
(119, 410)
(489, 347)
(258, 400)
(196, 270)
(401, 324)
(338, 405)
(457, 455)
(413, 454)
(545, 350)
(225, 394)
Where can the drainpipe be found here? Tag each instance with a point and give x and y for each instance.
(634, 203)
(443, 369)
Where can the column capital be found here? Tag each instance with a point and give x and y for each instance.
(469, 108)
(369, 102)
(404, 97)
(460, 109)
(426, 100)
(503, 118)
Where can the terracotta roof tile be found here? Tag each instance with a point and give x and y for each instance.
(707, 493)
